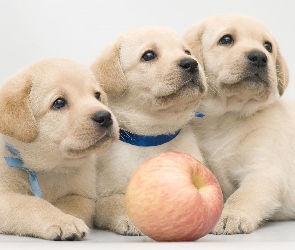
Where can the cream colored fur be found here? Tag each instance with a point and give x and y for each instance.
(148, 98)
(59, 145)
(248, 133)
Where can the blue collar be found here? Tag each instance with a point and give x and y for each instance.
(198, 114)
(146, 140)
(18, 163)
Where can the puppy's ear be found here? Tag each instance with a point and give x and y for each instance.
(282, 72)
(108, 72)
(16, 117)
(193, 37)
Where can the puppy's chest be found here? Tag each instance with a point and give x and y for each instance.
(75, 182)
(218, 140)
(116, 167)
(221, 145)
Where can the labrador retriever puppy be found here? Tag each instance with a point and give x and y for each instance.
(248, 133)
(153, 86)
(53, 120)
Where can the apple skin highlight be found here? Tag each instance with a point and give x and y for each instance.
(174, 197)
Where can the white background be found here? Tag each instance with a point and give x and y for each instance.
(79, 29)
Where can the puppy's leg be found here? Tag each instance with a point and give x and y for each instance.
(255, 200)
(110, 213)
(80, 207)
(29, 215)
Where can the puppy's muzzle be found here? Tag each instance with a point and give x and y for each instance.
(191, 73)
(257, 59)
(189, 65)
(103, 119)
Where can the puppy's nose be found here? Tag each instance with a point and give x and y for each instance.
(257, 59)
(189, 65)
(103, 118)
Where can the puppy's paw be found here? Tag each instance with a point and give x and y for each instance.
(67, 228)
(234, 222)
(126, 227)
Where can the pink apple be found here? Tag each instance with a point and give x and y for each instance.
(174, 197)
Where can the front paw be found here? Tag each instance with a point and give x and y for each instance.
(125, 227)
(235, 222)
(67, 228)
(111, 214)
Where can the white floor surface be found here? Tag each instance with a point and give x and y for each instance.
(273, 235)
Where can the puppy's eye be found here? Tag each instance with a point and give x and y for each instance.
(187, 52)
(59, 103)
(149, 55)
(227, 39)
(97, 95)
(268, 46)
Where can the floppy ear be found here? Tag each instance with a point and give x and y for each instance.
(108, 72)
(282, 73)
(193, 37)
(16, 117)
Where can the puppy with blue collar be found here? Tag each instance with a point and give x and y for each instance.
(154, 86)
(53, 119)
(247, 136)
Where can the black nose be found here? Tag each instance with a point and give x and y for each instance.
(189, 65)
(257, 59)
(103, 118)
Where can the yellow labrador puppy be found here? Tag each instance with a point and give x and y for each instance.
(53, 119)
(154, 86)
(248, 133)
